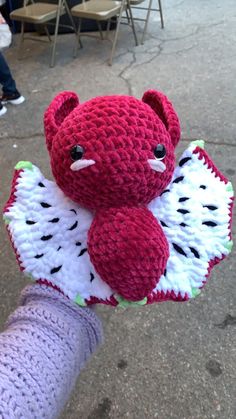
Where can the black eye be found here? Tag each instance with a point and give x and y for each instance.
(160, 152)
(77, 152)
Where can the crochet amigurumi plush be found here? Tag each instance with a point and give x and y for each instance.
(120, 225)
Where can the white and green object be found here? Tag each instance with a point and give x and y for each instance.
(49, 232)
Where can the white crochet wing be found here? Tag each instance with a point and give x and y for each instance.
(195, 212)
(49, 234)
(49, 231)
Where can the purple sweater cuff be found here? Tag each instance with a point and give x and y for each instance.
(46, 342)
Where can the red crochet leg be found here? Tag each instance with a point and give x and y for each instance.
(129, 250)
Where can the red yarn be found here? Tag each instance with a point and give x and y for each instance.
(210, 165)
(162, 107)
(9, 204)
(61, 106)
(120, 133)
(12, 197)
(129, 250)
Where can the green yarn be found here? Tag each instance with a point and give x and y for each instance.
(6, 219)
(122, 302)
(229, 245)
(199, 143)
(24, 165)
(80, 301)
(229, 187)
(195, 292)
(29, 275)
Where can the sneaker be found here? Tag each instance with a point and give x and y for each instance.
(13, 98)
(3, 109)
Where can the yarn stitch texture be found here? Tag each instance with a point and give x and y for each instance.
(147, 235)
(44, 346)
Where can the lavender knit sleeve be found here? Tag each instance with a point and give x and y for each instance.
(46, 342)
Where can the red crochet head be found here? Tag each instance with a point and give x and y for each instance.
(113, 150)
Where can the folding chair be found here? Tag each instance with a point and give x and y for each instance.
(103, 10)
(40, 13)
(135, 5)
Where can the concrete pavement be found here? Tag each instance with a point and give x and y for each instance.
(169, 361)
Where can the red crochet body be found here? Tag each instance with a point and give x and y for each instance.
(128, 249)
(119, 133)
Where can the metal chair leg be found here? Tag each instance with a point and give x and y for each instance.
(47, 33)
(108, 28)
(72, 21)
(78, 42)
(21, 40)
(100, 29)
(161, 14)
(146, 21)
(132, 22)
(116, 34)
(127, 16)
(56, 33)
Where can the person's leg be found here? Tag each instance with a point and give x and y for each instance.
(10, 94)
(3, 109)
(6, 79)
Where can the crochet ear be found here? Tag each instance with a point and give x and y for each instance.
(58, 110)
(164, 109)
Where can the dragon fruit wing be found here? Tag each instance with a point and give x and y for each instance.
(195, 212)
(49, 234)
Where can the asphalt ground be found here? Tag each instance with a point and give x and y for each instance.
(168, 361)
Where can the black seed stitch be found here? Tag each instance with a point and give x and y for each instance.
(209, 223)
(73, 210)
(73, 226)
(45, 238)
(39, 256)
(78, 243)
(54, 220)
(82, 252)
(55, 270)
(202, 186)
(30, 222)
(45, 205)
(183, 211)
(91, 277)
(166, 190)
(184, 160)
(210, 207)
(195, 252)
(183, 199)
(163, 224)
(41, 185)
(183, 225)
(178, 179)
(179, 249)
(164, 272)
(59, 248)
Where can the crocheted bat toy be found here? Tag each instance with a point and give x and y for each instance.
(120, 225)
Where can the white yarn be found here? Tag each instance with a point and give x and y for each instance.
(184, 273)
(74, 276)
